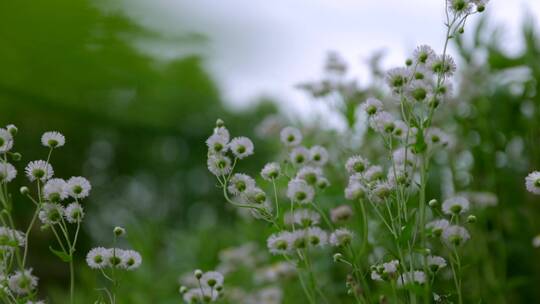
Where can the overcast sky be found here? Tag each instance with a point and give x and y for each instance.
(265, 47)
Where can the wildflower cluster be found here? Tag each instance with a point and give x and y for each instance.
(209, 287)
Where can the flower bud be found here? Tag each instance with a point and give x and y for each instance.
(220, 123)
(12, 129)
(16, 156)
(433, 203)
(198, 274)
(338, 257)
(24, 190)
(119, 231)
(408, 62)
(183, 289)
(471, 219)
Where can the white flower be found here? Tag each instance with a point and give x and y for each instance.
(22, 282)
(400, 130)
(39, 169)
(532, 182)
(383, 122)
(380, 192)
(375, 276)
(310, 174)
(6, 140)
(113, 257)
(317, 237)
(418, 90)
(298, 239)
(130, 259)
(271, 171)
(74, 213)
(455, 205)
(356, 164)
(423, 54)
(55, 190)
(436, 137)
(299, 191)
(7, 172)
(219, 165)
(240, 183)
(299, 155)
(218, 143)
(355, 190)
(318, 155)
(200, 295)
(412, 277)
(222, 132)
(10, 238)
(51, 213)
(438, 226)
(78, 187)
(404, 156)
(445, 66)
(290, 136)
(241, 147)
(212, 279)
(436, 263)
(372, 106)
(455, 235)
(373, 173)
(391, 267)
(460, 7)
(536, 241)
(341, 213)
(341, 237)
(303, 217)
(96, 258)
(397, 78)
(53, 139)
(279, 243)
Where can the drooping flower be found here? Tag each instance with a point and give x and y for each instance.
(412, 277)
(39, 170)
(355, 190)
(455, 235)
(53, 139)
(303, 217)
(10, 238)
(22, 282)
(383, 123)
(371, 106)
(438, 226)
(130, 259)
(455, 205)
(436, 263)
(219, 165)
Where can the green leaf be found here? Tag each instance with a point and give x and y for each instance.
(61, 254)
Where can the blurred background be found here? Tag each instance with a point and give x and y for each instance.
(136, 86)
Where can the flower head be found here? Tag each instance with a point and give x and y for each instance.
(299, 155)
(455, 235)
(6, 140)
(53, 139)
(279, 243)
(74, 213)
(532, 182)
(212, 279)
(291, 136)
(341, 237)
(55, 190)
(10, 238)
(78, 187)
(303, 217)
(240, 183)
(455, 205)
(341, 213)
(218, 142)
(241, 147)
(423, 54)
(22, 282)
(39, 170)
(7, 172)
(438, 226)
(300, 192)
(51, 213)
(317, 237)
(371, 106)
(219, 165)
(356, 164)
(436, 263)
(96, 258)
(318, 155)
(130, 259)
(271, 171)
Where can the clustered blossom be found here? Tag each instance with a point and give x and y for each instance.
(287, 242)
(101, 258)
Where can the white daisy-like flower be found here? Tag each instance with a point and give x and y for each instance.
(375, 276)
(7, 172)
(341, 213)
(455, 205)
(403, 156)
(423, 54)
(218, 143)
(212, 279)
(241, 147)
(10, 238)
(317, 237)
(371, 106)
(22, 282)
(381, 191)
(254, 195)
(299, 155)
(532, 182)
(303, 217)
(397, 78)
(436, 263)
(51, 213)
(400, 130)
(113, 257)
(78, 187)
(390, 268)
(290, 136)
(536, 241)
(341, 237)
(279, 243)
(383, 122)
(74, 213)
(6, 140)
(223, 132)
(310, 174)
(435, 137)
(201, 295)
(455, 235)
(412, 277)
(373, 173)
(322, 182)
(318, 155)
(440, 65)
(219, 165)
(460, 7)
(55, 190)
(355, 190)
(240, 183)
(130, 260)
(356, 164)
(39, 170)
(271, 171)
(97, 258)
(300, 192)
(299, 239)
(53, 139)
(418, 90)
(438, 226)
